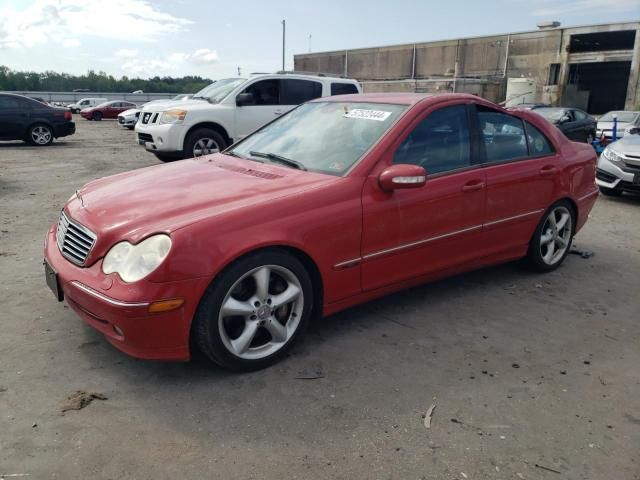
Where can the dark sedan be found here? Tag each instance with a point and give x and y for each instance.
(23, 118)
(577, 125)
(106, 110)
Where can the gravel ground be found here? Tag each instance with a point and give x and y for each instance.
(534, 376)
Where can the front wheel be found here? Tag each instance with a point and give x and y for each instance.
(552, 238)
(40, 135)
(97, 116)
(254, 311)
(203, 141)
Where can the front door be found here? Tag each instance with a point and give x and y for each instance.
(264, 108)
(412, 232)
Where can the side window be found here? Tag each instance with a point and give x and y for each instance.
(579, 115)
(440, 142)
(343, 88)
(503, 136)
(295, 92)
(538, 143)
(265, 92)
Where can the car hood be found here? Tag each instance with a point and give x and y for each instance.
(628, 145)
(164, 198)
(183, 104)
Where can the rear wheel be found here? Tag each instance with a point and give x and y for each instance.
(552, 239)
(254, 311)
(203, 141)
(97, 116)
(40, 135)
(610, 192)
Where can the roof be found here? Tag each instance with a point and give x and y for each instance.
(394, 97)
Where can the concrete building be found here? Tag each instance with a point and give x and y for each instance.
(595, 67)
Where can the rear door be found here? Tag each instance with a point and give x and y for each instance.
(14, 116)
(413, 232)
(521, 169)
(112, 110)
(294, 91)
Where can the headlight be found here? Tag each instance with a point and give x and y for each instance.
(173, 116)
(134, 262)
(610, 155)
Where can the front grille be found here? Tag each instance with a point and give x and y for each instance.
(145, 137)
(630, 168)
(605, 176)
(74, 240)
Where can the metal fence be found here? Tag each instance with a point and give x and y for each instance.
(71, 97)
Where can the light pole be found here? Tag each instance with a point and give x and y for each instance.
(283, 44)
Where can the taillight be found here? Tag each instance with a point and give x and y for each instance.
(67, 115)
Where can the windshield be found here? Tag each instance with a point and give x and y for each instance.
(216, 92)
(624, 117)
(327, 137)
(551, 113)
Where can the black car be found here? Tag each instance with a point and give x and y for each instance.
(577, 125)
(23, 118)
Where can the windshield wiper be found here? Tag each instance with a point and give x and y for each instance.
(279, 158)
(237, 155)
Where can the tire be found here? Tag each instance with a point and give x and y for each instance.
(252, 333)
(550, 245)
(130, 127)
(166, 158)
(40, 135)
(610, 192)
(203, 141)
(97, 116)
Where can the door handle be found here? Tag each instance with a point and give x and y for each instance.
(278, 112)
(473, 185)
(548, 170)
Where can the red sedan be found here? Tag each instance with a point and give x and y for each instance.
(106, 110)
(340, 201)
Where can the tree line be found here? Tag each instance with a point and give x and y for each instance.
(50, 81)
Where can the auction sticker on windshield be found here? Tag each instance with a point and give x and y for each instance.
(377, 115)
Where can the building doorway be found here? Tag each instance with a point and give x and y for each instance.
(606, 83)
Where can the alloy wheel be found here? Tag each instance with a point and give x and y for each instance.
(41, 135)
(261, 312)
(556, 233)
(205, 146)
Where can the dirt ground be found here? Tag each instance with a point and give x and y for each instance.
(533, 376)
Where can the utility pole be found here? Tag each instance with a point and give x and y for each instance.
(283, 44)
(310, 37)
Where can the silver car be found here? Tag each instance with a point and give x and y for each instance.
(626, 120)
(619, 166)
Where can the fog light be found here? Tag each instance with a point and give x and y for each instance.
(160, 140)
(166, 305)
(118, 330)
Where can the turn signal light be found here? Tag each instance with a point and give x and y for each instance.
(166, 305)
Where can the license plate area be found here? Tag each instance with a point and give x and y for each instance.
(53, 282)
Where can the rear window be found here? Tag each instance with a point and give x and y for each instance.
(295, 92)
(343, 88)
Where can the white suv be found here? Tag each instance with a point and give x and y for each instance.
(229, 110)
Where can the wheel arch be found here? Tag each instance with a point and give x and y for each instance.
(574, 207)
(213, 125)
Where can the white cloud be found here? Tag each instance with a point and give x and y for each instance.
(177, 63)
(45, 21)
(71, 42)
(549, 8)
(127, 53)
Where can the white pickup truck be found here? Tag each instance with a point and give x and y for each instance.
(229, 110)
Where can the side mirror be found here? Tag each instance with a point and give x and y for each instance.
(244, 99)
(402, 176)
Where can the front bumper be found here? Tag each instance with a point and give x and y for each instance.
(120, 310)
(618, 176)
(161, 138)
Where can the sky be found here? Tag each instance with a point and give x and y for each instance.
(211, 38)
